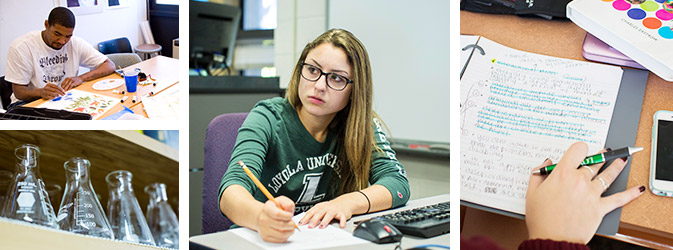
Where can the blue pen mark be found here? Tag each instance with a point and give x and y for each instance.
(66, 97)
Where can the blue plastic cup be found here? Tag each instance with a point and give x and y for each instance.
(131, 79)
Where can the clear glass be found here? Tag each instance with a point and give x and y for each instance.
(27, 198)
(80, 211)
(160, 217)
(6, 178)
(54, 191)
(124, 213)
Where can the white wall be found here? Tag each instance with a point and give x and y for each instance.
(407, 42)
(299, 22)
(18, 17)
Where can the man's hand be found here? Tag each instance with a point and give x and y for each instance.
(51, 91)
(71, 82)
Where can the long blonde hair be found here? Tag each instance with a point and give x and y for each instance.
(355, 136)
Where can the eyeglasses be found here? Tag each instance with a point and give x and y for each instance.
(334, 81)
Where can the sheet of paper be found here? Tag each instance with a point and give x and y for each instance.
(83, 102)
(518, 108)
(315, 238)
(162, 107)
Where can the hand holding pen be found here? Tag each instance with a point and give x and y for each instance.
(597, 158)
(566, 205)
(51, 91)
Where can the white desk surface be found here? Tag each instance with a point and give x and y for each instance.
(228, 240)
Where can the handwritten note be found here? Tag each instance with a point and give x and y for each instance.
(518, 108)
(308, 238)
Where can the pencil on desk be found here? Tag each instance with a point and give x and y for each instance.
(261, 187)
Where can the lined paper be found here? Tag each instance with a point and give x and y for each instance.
(518, 108)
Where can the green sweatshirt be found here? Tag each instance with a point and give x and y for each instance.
(284, 156)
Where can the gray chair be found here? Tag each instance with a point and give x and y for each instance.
(124, 59)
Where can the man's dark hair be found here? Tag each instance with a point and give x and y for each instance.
(62, 16)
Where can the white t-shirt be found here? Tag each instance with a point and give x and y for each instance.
(31, 62)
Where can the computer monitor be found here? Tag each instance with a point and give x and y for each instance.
(212, 32)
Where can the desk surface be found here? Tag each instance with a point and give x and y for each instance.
(643, 217)
(228, 240)
(163, 69)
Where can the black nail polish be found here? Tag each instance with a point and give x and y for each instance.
(642, 189)
(545, 160)
(608, 149)
(625, 158)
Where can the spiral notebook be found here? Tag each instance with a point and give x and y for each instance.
(518, 108)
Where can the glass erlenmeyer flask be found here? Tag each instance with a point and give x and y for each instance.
(126, 217)
(27, 199)
(160, 217)
(80, 211)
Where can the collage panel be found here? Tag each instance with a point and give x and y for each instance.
(89, 60)
(324, 129)
(64, 187)
(89, 189)
(565, 126)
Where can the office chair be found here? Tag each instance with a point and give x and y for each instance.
(119, 45)
(124, 59)
(220, 138)
(5, 92)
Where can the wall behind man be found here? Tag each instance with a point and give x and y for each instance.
(18, 17)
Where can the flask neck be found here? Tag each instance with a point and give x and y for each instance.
(77, 171)
(156, 193)
(26, 158)
(119, 181)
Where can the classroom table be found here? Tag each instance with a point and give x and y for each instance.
(228, 240)
(163, 69)
(648, 220)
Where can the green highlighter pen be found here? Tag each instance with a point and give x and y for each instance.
(595, 159)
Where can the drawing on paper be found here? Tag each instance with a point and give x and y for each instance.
(81, 101)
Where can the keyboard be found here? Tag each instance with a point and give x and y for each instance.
(426, 222)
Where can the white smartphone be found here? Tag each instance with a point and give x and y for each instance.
(661, 163)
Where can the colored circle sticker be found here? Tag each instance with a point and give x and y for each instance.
(621, 5)
(651, 23)
(664, 15)
(660, 1)
(666, 32)
(649, 6)
(636, 14)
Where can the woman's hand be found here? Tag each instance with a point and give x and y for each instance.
(275, 224)
(567, 205)
(322, 213)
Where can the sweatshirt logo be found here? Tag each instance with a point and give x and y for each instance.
(399, 194)
(313, 162)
